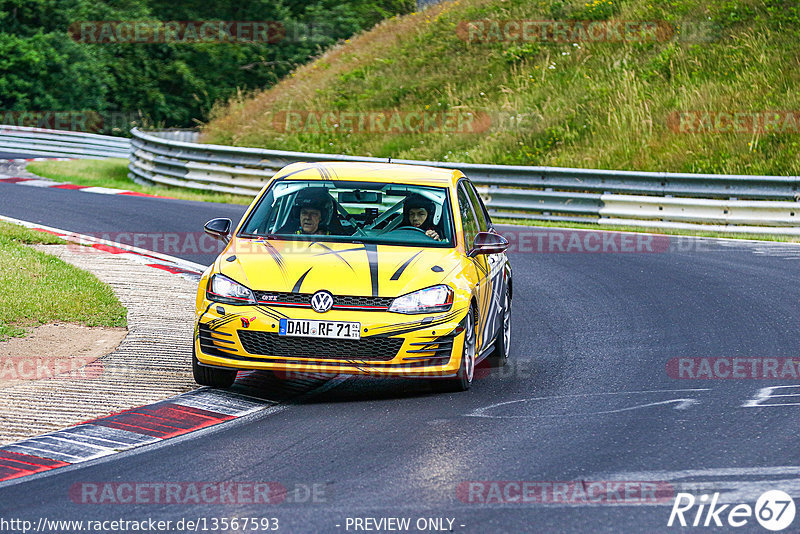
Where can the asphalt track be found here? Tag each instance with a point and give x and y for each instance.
(587, 398)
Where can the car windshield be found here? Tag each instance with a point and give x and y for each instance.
(393, 214)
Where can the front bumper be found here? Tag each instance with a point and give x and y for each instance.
(391, 344)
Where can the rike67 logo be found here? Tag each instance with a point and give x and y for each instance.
(774, 510)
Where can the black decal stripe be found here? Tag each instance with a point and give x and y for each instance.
(297, 171)
(399, 272)
(336, 253)
(296, 288)
(397, 326)
(323, 171)
(222, 321)
(273, 252)
(205, 311)
(372, 258)
(272, 314)
(414, 329)
(406, 328)
(357, 249)
(452, 314)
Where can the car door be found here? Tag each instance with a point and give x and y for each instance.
(470, 228)
(495, 264)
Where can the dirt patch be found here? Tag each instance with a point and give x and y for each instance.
(57, 350)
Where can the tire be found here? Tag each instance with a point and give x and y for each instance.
(502, 343)
(211, 376)
(466, 371)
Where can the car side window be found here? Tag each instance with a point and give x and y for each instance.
(481, 207)
(469, 223)
(477, 207)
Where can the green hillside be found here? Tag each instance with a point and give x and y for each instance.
(598, 102)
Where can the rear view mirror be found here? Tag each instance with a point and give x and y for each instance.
(219, 229)
(360, 197)
(488, 243)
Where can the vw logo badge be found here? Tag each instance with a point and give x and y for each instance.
(322, 301)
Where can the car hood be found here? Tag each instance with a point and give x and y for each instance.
(341, 268)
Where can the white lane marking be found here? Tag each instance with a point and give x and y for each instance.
(766, 394)
(24, 448)
(113, 437)
(682, 403)
(103, 190)
(41, 183)
(226, 403)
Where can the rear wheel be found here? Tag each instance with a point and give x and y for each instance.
(466, 371)
(502, 343)
(211, 376)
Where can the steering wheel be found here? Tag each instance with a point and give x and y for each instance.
(424, 232)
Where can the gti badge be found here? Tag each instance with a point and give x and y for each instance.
(322, 301)
(246, 322)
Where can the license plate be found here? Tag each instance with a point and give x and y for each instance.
(327, 329)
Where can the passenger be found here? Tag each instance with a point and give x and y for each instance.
(418, 211)
(313, 213)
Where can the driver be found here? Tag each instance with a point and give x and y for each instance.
(312, 213)
(418, 212)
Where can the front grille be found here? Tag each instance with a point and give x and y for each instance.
(359, 302)
(277, 298)
(271, 344)
(340, 302)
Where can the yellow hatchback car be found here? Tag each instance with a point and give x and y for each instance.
(356, 268)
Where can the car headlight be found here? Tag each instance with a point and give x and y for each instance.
(429, 300)
(223, 289)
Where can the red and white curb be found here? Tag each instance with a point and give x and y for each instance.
(119, 432)
(42, 182)
(186, 269)
(153, 423)
(34, 182)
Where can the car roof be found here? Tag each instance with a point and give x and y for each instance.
(371, 172)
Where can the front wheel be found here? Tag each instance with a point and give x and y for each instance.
(466, 371)
(211, 376)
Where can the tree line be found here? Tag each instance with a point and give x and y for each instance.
(49, 61)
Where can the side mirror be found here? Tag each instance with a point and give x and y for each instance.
(488, 243)
(219, 229)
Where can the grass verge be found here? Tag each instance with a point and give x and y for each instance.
(592, 103)
(639, 229)
(113, 173)
(36, 288)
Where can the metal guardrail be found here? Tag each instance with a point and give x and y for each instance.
(737, 203)
(59, 143)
